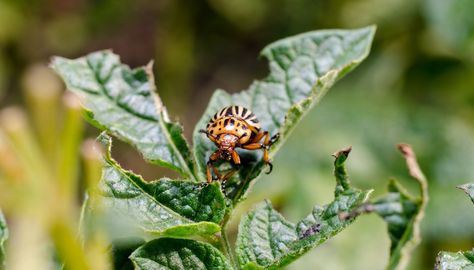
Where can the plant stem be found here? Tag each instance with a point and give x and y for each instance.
(226, 244)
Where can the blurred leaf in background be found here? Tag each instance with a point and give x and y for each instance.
(3, 238)
(39, 187)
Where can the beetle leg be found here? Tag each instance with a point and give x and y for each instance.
(267, 161)
(259, 136)
(210, 164)
(253, 146)
(229, 175)
(235, 157)
(216, 172)
(267, 142)
(273, 139)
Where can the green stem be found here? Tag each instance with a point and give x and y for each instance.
(226, 244)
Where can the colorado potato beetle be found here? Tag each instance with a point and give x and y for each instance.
(235, 127)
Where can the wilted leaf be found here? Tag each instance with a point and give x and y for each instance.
(125, 103)
(163, 207)
(3, 239)
(302, 69)
(403, 213)
(178, 254)
(268, 241)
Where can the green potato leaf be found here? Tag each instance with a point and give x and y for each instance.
(267, 241)
(124, 102)
(161, 208)
(178, 254)
(469, 189)
(455, 260)
(462, 260)
(302, 69)
(3, 239)
(403, 213)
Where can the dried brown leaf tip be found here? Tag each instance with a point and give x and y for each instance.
(412, 164)
(344, 151)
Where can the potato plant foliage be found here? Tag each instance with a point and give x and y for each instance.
(181, 224)
(461, 260)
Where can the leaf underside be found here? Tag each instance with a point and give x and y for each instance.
(403, 214)
(178, 254)
(266, 240)
(302, 69)
(124, 102)
(462, 260)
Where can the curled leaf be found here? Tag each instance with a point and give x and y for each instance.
(403, 213)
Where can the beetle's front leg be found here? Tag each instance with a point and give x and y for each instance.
(210, 165)
(236, 159)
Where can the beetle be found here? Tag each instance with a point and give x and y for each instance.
(235, 127)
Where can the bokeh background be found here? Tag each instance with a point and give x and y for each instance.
(417, 86)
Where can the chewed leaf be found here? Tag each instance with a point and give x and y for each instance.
(403, 213)
(267, 241)
(3, 239)
(302, 69)
(163, 207)
(178, 254)
(125, 103)
(455, 260)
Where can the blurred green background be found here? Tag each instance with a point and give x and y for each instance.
(417, 86)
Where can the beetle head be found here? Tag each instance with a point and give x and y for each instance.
(226, 143)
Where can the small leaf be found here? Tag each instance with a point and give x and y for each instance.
(164, 207)
(302, 69)
(455, 260)
(403, 213)
(3, 239)
(178, 254)
(266, 240)
(125, 103)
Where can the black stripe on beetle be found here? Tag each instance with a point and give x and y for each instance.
(244, 111)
